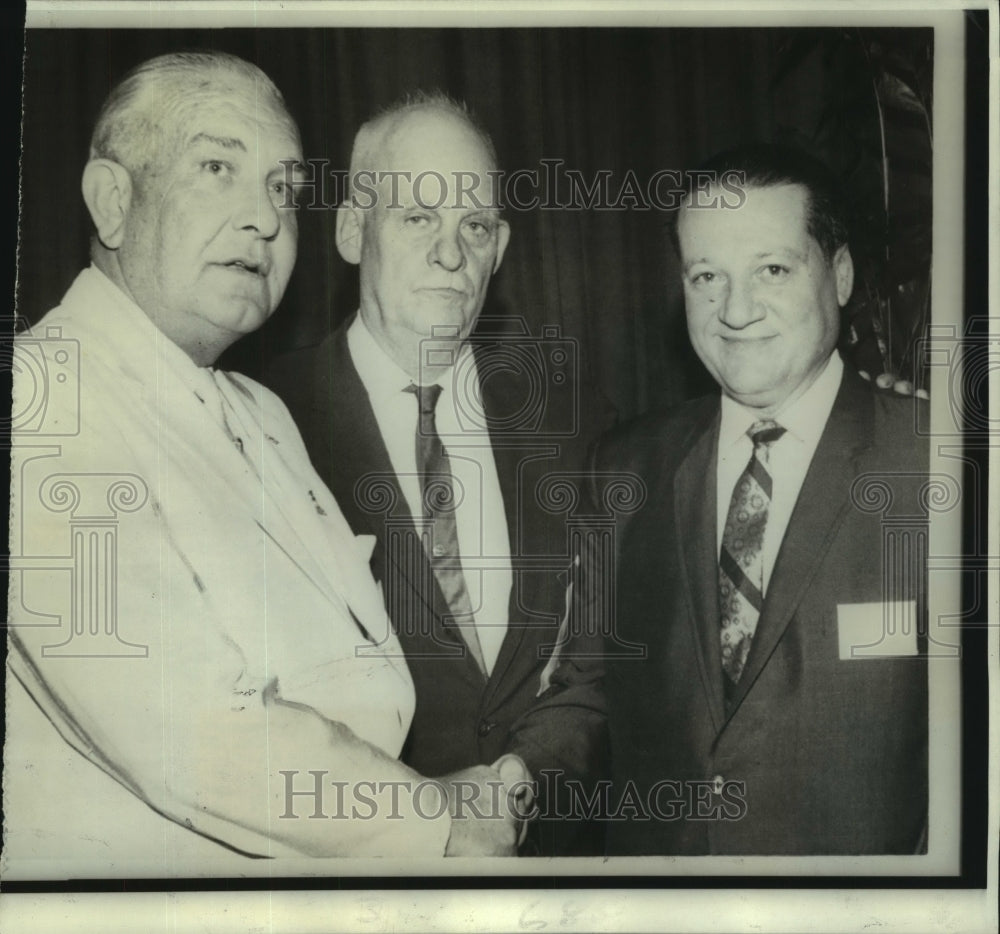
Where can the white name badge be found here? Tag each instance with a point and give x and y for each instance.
(877, 630)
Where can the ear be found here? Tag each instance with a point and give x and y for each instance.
(843, 270)
(503, 238)
(350, 227)
(107, 191)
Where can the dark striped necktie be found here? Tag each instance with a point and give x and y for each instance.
(741, 558)
(438, 497)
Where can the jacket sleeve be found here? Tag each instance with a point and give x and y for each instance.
(566, 730)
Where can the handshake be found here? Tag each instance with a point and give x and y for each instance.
(489, 807)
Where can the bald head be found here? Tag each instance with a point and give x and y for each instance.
(424, 225)
(377, 141)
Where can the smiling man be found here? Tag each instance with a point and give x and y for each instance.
(782, 706)
(203, 670)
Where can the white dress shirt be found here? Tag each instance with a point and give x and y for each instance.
(480, 519)
(790, 456)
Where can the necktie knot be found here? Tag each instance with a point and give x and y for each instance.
(427, 397)
(765, 431)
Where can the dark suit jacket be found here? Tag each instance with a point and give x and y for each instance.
(462, 718)
(814, 755)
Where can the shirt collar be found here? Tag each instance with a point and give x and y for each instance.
(804, 419)
(381, 376)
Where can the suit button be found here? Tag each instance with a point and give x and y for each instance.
(717, 784)
(485, 726)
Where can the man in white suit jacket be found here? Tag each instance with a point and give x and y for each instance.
(189, 610)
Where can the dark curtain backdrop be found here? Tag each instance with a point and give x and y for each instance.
(620, 100)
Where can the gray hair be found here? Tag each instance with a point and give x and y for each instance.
(371, 138)
(144, 111)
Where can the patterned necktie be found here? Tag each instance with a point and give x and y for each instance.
(438, 499)
(741, 558)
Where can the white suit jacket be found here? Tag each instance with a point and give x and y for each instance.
(192, 616)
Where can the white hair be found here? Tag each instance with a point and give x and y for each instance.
(373, 136)
(145, 110)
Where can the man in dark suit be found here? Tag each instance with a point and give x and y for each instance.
(438, 448)
(781, 707)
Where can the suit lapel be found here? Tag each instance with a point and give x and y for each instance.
(819, 511)
(357, 449)
(694, 536)
(360, 452)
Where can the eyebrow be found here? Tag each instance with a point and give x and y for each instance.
(490, 213)
(762, 255)
(226, 142)
(782, 250)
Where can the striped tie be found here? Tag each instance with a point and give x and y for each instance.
(438, 498)
(741, 559)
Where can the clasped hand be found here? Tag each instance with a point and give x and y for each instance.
(489, 806)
